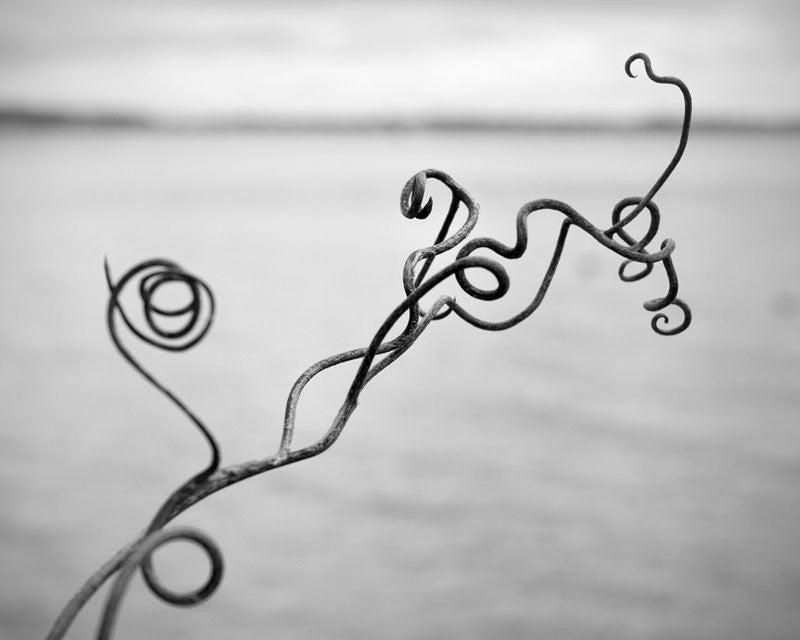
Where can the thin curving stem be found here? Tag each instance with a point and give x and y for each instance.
(684, 137)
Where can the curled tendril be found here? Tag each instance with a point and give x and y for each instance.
(633, 250)
(411, 198)
(639, 246)
(197, 315)
(412, 195)
(145, 551)
(661, 319)
(684, 137)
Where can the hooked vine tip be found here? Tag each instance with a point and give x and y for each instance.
(633, 58)
(412, 197)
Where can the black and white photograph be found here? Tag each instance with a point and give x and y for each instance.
(399, 320)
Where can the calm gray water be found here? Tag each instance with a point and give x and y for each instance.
(576, 477)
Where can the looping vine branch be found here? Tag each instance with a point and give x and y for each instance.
(196, 317)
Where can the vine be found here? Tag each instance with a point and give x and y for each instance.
(196, 317)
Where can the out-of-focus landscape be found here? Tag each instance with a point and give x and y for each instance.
(575, 477)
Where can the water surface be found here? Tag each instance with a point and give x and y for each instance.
(575, 477)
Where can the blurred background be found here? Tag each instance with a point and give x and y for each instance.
(575, 477)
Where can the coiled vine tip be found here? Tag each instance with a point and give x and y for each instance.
(412, 196)
(645, 60)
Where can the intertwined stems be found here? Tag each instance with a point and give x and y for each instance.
(197, 315)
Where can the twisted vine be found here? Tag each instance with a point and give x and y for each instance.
(196, 317)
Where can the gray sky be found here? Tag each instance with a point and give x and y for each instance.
(482, 59)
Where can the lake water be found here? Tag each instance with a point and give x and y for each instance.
(575, 477)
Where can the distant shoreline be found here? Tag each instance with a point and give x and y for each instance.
(24, 118)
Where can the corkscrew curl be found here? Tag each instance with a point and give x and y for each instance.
(197, 314)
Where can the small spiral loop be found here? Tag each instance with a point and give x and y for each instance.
(196, 316)
(619, 229)
(195, 596)
(142, 556)
(635, 245)
(412, 195)
(493, 268)
(661, 319)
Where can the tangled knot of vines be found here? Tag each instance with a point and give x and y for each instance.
(178, 329)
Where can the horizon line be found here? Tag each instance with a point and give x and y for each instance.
(40, 118)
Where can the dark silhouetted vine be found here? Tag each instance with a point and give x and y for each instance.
(180, 328)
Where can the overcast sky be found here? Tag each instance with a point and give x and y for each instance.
(399, 59)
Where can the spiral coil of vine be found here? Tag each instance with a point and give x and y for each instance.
(197, 316)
